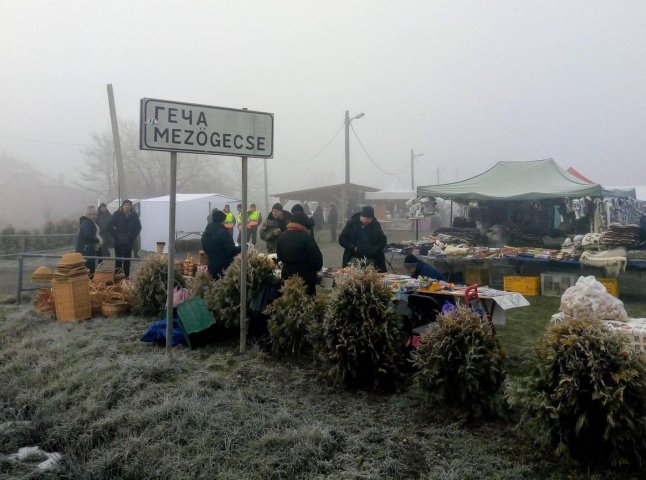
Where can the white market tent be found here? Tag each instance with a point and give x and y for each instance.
(394, 191)
(191, 216)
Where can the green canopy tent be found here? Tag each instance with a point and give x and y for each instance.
(533, 180)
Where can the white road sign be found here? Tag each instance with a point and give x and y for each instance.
(188, 127)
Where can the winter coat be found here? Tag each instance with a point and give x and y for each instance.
(333, 216)
(219, 247)
(103, 221)
(124, 228)
(88, 241)
(423, 269)
(300, 255)
(268, 227)
(361, 241)
(318, 218)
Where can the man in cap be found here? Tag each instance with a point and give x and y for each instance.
(416, 268)
(273, 226)
(363, 238)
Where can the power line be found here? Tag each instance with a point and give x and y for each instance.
(32, 140)
(373, 162)
(322, 150)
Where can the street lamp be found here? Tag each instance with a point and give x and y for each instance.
(413, 156)
(347, 144)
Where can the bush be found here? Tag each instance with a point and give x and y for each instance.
(291, 318)
(461, 362)
(201, 285)
(224, 296)
(149, 296)
(588, 394)
(359, 342)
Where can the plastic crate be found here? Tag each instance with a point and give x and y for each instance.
(611, 284)
(554, 284)
(530, 286)
(72, 299)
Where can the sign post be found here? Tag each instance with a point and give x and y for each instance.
(173, 127)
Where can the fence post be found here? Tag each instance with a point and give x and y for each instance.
(19, 288)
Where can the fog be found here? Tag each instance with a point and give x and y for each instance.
(466, 83)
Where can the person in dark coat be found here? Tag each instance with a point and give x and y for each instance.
(333, 221)
(298, 208)
(273, 226)
(218, 245)
(362, 237)
(125, 227)
(103, 221)
(89, 239)
(298, 251)
(417, 268)
(319, 222)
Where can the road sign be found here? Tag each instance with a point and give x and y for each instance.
(192, 128)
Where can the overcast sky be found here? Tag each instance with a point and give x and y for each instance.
(467, 83)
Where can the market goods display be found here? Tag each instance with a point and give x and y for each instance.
(612, 261)
(619, 235)
(457, 236)
(44, 301)
(589, 299)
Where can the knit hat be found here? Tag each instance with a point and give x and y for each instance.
(411, 260)
(219, 216)
(298, 208)
(277, 206)
(368, 212)
(301, 219)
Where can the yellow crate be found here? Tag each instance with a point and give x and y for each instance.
(611, 284)
(530, 286)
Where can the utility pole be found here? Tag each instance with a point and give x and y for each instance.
(413, 155)
(121, 188)
(346, 190)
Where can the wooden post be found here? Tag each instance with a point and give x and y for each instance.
(117, 145)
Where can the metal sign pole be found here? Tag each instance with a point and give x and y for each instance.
(171, 252)
(243, 261)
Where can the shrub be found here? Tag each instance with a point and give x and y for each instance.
(359, 342)
(224, 296)
(149, 296)
(461, 362)
(201, 284)
(587, 396)
(291, 318)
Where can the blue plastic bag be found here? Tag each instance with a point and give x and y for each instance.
(156, 333)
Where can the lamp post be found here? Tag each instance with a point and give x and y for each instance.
(347, 122)
(413, 156)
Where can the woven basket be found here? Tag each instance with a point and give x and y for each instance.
(103, 276)
(114, 308)
(72, 299)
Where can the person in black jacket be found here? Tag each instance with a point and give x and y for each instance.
(125, 227)
(362, 237)
(218, 245)
(89, 239)
(298, 251)
(103, 219)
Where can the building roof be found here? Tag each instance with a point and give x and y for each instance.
(329, 193)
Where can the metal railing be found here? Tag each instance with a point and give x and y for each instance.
(21, 263)
(24, 238)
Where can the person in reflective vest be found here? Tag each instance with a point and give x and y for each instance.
(254, 218)
(229, 220)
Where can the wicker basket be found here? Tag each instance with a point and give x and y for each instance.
(103, 276)
(114, 308)
(72, 298)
